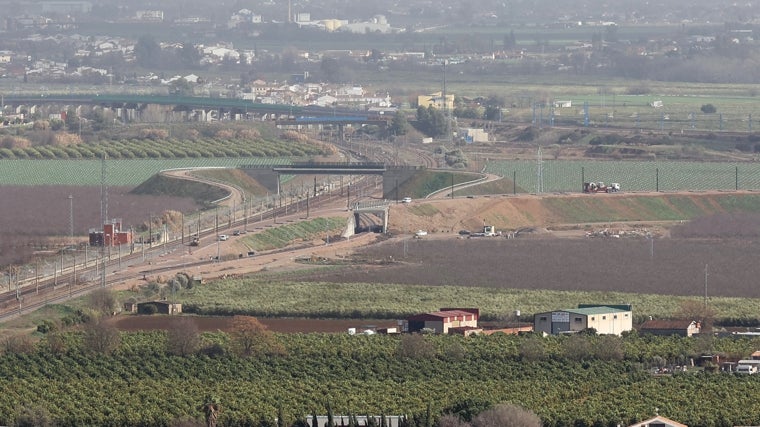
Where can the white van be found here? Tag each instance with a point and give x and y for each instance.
(748, 367)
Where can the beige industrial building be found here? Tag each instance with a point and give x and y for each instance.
(610, 320)
(445, 321)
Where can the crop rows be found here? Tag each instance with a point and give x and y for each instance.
(568, 175)
(141, 384)
(163, 149)
(118, 172)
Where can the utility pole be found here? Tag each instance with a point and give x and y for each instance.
(705, 302)
(71, 218)
(445, 104)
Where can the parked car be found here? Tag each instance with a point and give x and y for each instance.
(236, 233)
(223, 237)
(406, 200)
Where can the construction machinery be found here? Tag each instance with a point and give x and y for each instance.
(488, 231)
(600, 187)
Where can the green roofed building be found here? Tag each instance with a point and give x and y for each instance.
(610, 320)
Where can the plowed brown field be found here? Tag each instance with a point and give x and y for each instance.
(211, 324)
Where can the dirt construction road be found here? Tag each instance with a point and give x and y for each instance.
(441, 218)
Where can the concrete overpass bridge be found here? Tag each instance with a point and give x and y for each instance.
(365, 213)
(393, 176)
(362, 211)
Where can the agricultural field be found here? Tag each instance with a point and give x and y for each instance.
(150, 148)
(525, 273)
(569, 175)
(118, 172)
(21, 234)
(578, 380)
(322, 293)
(674, 113)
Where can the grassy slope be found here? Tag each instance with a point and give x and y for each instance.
(162, 185)
(428, 181)
(235, 177)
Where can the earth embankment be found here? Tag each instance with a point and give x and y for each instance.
(556, 210)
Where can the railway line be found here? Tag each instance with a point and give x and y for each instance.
(77, 281)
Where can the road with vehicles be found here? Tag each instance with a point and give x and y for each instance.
(115, 265)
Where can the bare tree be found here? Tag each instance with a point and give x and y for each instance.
(695, 310)
(183, 337)
(415, 346)
(34, 416)
(577, 347)
(102, 301)
(451, 420)
(18, 344)
(186, 422)
(100, 337)
(56, 343)
(507, 415)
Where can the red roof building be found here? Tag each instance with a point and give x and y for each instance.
(443, 321)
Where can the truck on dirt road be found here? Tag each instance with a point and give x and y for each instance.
(488, 231)
(600, 187)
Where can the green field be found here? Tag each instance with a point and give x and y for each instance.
(679, 113)
(569, 175)
(283, 298)
(118, 172)
(558, 176)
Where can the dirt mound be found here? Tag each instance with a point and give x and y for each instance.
(555, 211)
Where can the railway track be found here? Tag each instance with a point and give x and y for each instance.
(75, 282)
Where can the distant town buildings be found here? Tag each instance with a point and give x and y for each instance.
(436, 100)
(65, 7)
(150, 15)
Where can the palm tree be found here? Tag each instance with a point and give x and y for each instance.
(211, 408)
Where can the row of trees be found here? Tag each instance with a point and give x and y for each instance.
(43, 144)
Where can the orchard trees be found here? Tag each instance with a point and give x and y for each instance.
(431, 121)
